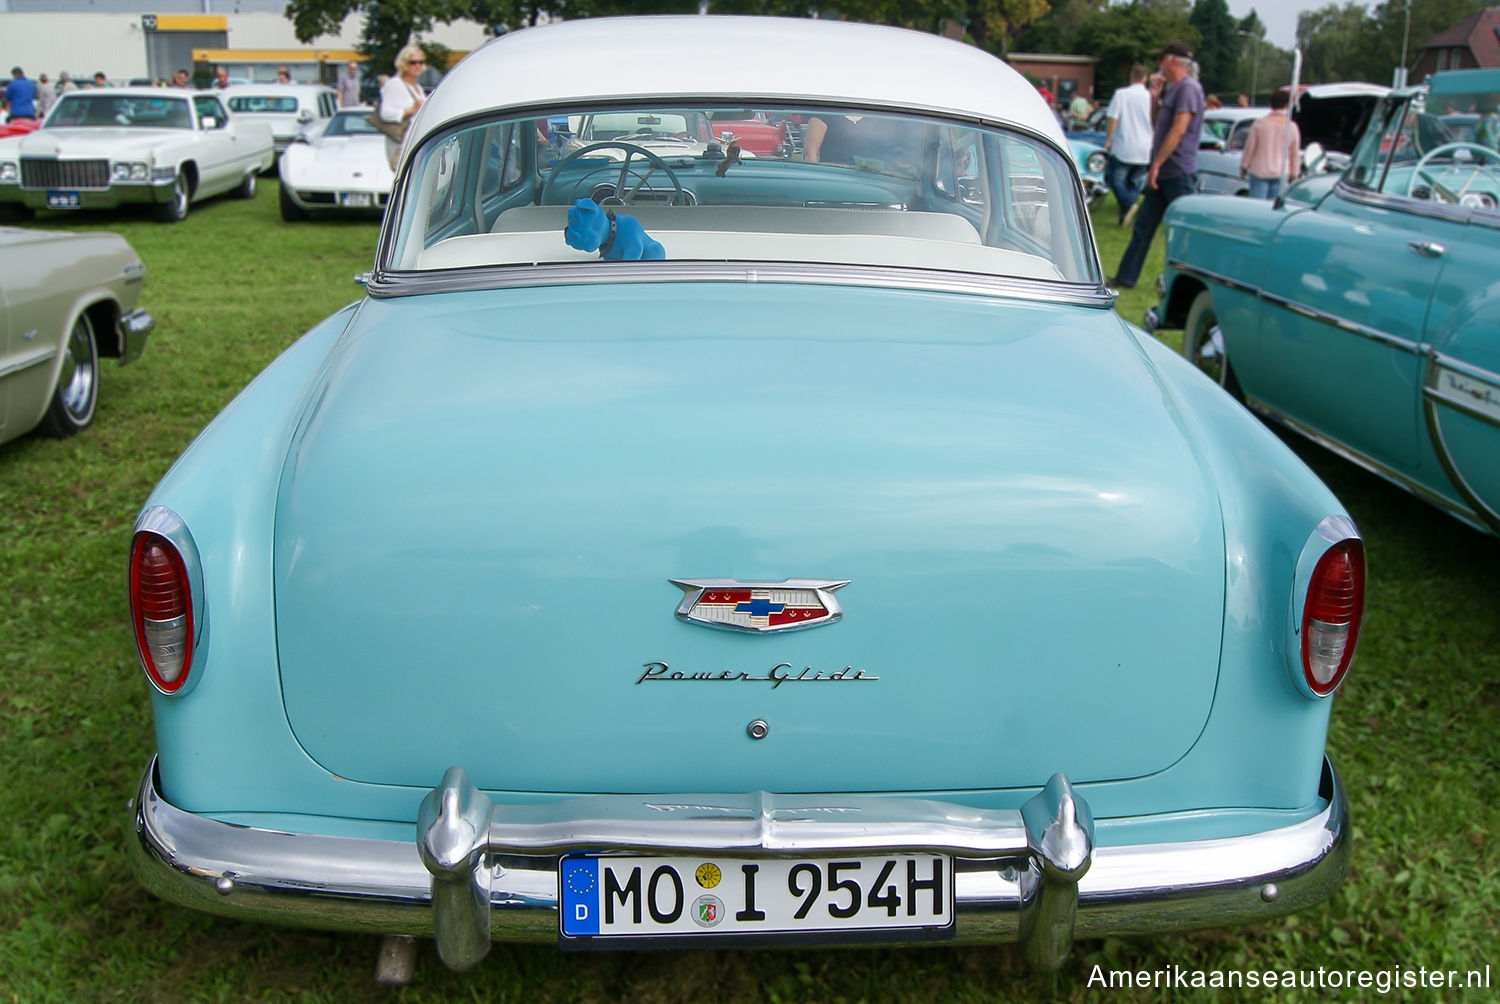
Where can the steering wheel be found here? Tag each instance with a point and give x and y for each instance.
(1443, 193)
(621, 197)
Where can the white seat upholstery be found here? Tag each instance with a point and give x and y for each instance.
(761, 219)
(547, 246)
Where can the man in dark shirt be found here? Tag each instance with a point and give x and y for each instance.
(1174, 156)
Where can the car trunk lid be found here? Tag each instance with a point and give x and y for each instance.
(483, 514)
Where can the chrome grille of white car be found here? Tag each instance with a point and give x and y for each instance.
(40, 173)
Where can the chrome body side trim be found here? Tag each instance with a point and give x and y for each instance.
(1370, 464)
(1450, 211)
(1333, 320)
(1031, 875)
(391, 284)
(44, 354)
(1482, 404)
(1468, 369)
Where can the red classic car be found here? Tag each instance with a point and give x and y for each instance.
(18, 127)
(756, 133)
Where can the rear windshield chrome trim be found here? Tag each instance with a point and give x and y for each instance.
(393, 284)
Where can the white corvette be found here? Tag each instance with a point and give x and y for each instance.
(340, 165)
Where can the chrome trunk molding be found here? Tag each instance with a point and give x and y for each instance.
(1020, 875)
(393, 284)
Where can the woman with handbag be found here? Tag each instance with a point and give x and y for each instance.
(400, 98)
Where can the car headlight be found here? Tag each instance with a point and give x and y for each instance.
(10, 174)
(127, 170)
(1097, 162)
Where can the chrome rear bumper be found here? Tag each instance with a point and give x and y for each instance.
(478, 871)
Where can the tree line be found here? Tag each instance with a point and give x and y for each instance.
(1338, 42)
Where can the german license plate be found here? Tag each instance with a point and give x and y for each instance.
(62, 200)
(604, 898)
(354, 200)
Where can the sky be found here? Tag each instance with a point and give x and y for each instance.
(1279, 17)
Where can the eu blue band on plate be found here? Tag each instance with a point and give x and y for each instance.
(578, 892)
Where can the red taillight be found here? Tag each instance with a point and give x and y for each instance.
(161, 610)
(1330, 619)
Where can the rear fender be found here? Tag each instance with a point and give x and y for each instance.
(224, 489)
(1264, 738)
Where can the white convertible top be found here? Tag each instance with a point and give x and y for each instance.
(741, 59)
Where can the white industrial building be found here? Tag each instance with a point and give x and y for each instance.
(132, 40)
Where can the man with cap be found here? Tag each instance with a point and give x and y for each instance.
(1173, 171)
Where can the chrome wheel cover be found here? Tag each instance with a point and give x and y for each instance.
(80, 370)
(1208, 349)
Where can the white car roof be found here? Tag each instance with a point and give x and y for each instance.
(1236, 113)
(740, 59)
(1344, 90)
(134, 92)
(274, 90)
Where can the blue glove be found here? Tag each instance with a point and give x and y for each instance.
(617, 238)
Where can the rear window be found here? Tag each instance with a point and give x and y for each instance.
(823, 185)
(258, 103)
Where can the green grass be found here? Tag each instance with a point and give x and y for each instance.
(1413, 728)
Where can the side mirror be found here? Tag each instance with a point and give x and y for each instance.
(305, 116)
(208, 122)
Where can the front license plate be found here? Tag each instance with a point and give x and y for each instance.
(62, 200)
(903, 897)
(354, 200)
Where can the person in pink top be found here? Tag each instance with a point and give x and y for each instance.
(1274, 144)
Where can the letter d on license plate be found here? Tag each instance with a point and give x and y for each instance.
(894, 897)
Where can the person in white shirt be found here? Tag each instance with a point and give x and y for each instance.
(401, 95)
(1127, 139)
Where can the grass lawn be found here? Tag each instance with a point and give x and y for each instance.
(1413, 727)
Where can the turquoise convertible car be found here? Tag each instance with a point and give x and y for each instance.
(675, 548)
(1361, 310)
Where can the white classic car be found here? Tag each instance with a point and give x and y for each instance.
(287, 108)
(339, 166)
(102, 148)
(1220, 146)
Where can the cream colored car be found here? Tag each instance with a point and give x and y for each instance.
(66, 299)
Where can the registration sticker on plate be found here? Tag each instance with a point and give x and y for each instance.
(62, 200)
(354, 200)
(905, 896)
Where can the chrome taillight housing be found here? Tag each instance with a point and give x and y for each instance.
(166, 608)
(1330, 589)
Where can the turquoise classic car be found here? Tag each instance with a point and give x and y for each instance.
(1092, 160)
(679, 549)
(1361, 310)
